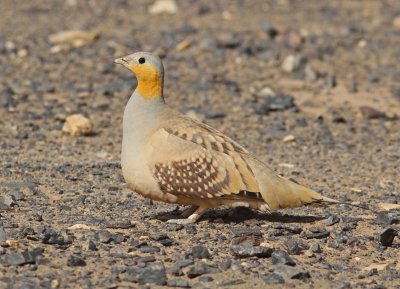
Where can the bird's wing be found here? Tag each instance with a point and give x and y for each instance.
(195, 160)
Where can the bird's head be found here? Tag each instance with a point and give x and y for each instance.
(149, 72)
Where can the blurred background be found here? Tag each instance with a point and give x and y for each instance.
(311, 87)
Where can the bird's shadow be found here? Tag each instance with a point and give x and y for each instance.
(242, 214)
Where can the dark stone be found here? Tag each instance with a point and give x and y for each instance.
(233, 282)
(174, 227)
(3, 235)
(387, 236)
(163, 239)
(225, 265)
(287, 229)
(228, 41)
(282, 258)
(191, 229)
(149, 249)
(340, 267)
(117, 238)
(243, 251)
(374, 79)
(75, 261)
(349, 226)
(317, 233)
(166, 242)
(199, 269)
(178, 283)
(332, 220)
(316, 248)
(146, 259)
(273, 278)
(27, 257)
(109, 283)
(118, 269)
(278, 102)
(92, 246)
(203, 9)
(48, 236)
(268, 28)
(205, 279)
(295, 247)
(104, 236)
(151, 274)
(213, 114)
(159, 237)
(200, 252)
(181, 263)
(176, 268)
(289, 272)
(371, 113)
(386, 218)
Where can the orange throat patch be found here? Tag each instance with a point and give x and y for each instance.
(150, 83)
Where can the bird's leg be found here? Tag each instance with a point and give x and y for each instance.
(188, 211)
(192, 218)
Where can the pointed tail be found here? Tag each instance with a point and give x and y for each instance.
(281, 193)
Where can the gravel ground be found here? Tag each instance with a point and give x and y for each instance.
(311, 87)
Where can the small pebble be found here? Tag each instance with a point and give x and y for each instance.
(244, 251)
(200, 252)
(78, 125)
(27, 257)
(282, 258)
(153, 273)
(104, 236)
(191, 229)
(387, 236)
(295, 247)
(332, 220)
(273, 278)
(75, 261)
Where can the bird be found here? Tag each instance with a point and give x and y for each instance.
(169, 157)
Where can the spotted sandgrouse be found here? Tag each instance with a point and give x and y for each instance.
(169, 157)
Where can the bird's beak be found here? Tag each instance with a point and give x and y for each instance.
(122, 61)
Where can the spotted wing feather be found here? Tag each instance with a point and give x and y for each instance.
(205, 163)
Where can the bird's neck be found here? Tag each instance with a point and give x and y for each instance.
(142, 116)
(151, 88)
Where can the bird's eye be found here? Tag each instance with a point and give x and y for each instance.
(142, 60)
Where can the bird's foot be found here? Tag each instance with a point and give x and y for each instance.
(189, 211)
(195, 214)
